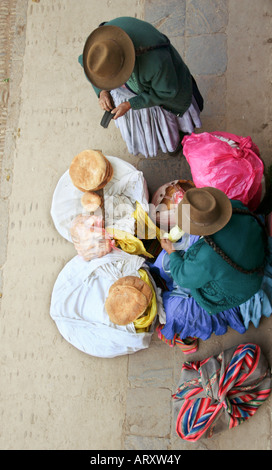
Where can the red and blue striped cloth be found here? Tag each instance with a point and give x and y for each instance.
(188, 345)
(221, 391)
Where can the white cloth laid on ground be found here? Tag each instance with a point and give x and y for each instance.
(77, 305)
(148, 130)
(120, 195)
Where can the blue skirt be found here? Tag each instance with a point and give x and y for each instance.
(185, 317)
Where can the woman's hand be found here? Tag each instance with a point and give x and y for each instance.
(105, 100)
(121, 109)
(167, 245)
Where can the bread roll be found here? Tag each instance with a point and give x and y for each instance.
(91, 201)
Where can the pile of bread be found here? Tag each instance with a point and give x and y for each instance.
(127, 300)
(90, 171)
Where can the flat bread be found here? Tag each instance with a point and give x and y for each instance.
(125, 304)
(128, 299)
(88, 170)
(108, 176)
(136, 282)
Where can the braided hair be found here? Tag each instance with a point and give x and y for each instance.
(220, 252)
(142, 49)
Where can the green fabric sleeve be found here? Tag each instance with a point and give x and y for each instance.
(188, 273)
(163, 82)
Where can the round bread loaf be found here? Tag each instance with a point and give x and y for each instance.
(108, 176)
(88, 170)
(91, 201)
(127, 300)
(136, 282)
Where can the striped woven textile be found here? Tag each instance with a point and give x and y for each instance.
(221, 391)
(188, 345)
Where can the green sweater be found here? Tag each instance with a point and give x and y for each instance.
(160, 77)
(214, 284)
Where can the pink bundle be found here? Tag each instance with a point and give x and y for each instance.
(227, 162)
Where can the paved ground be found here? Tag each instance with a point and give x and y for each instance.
(52, 395)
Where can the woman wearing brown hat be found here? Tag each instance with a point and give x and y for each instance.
(224, 268)
(224, 278)
(140, 77)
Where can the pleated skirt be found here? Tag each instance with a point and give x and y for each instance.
(149, 130)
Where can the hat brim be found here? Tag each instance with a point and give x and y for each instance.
(225, 213)
(122, 38)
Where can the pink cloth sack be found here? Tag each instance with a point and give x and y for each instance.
(232, 165)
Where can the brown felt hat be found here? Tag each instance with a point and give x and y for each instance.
(90, 170)
(127, 300)
(108, 57)
(204, 211)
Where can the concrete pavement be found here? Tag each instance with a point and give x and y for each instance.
(52, 395)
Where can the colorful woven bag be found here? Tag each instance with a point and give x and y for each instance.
(221, 391)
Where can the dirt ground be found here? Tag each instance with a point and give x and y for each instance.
(52, 395)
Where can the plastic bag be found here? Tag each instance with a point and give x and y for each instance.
(165, 200)
(145, 227)
(128, 242)
(227, 162)
(143, 323)
(89, 237)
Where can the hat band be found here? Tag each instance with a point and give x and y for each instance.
(200, 224)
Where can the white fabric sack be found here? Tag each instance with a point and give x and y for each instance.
(78, 299)
(147, 130)
(120, 195)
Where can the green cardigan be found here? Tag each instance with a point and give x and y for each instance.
(160, 77)
(214, 284)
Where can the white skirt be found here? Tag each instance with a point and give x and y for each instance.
(147, 130)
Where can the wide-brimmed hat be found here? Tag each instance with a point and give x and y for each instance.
(108, 57)
(204, 211)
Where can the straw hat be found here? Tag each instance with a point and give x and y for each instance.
(127, 300)
(108, 57)
(209, 211)
(90, 170)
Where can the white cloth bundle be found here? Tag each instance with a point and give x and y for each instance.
(120, 195)
(77, 305)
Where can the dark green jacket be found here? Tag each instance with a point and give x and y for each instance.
(160, 77)
(214, 284)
